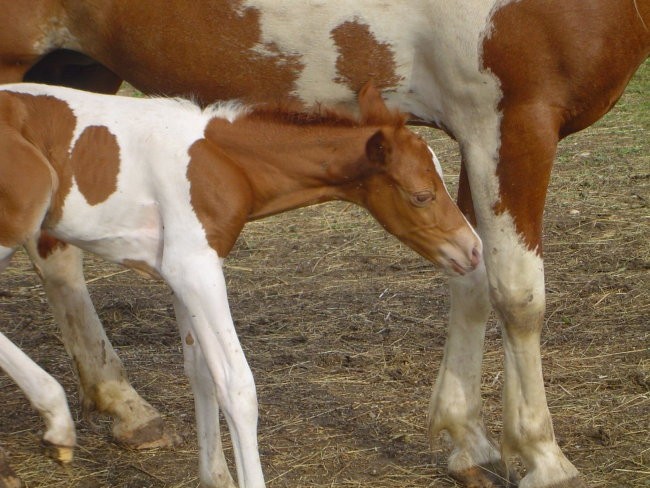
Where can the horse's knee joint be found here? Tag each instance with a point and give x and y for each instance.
(519, 305)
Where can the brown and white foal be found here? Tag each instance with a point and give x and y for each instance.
(164, 187)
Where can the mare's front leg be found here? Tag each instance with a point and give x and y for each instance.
(509, 202)
(198, 283)
(104, 384)
(213, 468)
(455, 404)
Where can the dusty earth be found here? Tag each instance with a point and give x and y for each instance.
(344, 329)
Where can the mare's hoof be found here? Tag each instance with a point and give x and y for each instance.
(492, 475)
(61, 454)
(151, 435)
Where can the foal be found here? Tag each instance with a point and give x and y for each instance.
(162, 187)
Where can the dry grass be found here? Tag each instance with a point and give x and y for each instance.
(344, 330)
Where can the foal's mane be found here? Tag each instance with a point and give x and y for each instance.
(294, 114)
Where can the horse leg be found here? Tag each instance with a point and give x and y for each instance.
(103, 380)
(509, 203)
(455, 404)
(213, 468)
(46, 395)
(197, 280)
(26, 187)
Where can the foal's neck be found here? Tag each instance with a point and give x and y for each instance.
(291, 165)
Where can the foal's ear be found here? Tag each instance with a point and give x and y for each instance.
(372, 107)
(377, 148)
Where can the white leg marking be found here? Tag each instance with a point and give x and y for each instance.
(516, 280)
(516, 284)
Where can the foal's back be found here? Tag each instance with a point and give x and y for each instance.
(92, 167)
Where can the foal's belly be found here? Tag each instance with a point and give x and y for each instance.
(117, 232)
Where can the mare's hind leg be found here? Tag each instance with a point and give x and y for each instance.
(104, 383)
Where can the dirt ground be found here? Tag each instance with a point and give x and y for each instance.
(344, 330)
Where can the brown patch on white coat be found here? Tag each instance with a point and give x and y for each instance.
(354, 40)
(95, 161)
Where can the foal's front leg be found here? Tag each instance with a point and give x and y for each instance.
(213, 468)
(199, 286)
(104, 384)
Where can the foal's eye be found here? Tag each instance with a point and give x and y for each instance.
(422, 198)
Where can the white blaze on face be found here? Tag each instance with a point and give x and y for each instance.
(437, 164)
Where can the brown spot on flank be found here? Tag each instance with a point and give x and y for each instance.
(362, 57)
(95, 161)
(189, 340)
(34, 136)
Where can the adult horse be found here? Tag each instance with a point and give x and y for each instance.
(506, 78)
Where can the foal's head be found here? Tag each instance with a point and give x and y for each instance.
(404, 191)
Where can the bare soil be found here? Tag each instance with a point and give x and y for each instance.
(344, 329)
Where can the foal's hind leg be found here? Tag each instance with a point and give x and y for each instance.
(103, 380)
(46, 395)
(26, 188)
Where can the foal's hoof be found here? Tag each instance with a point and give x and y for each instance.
(151, 435)
(491, 475)
(61, 454)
